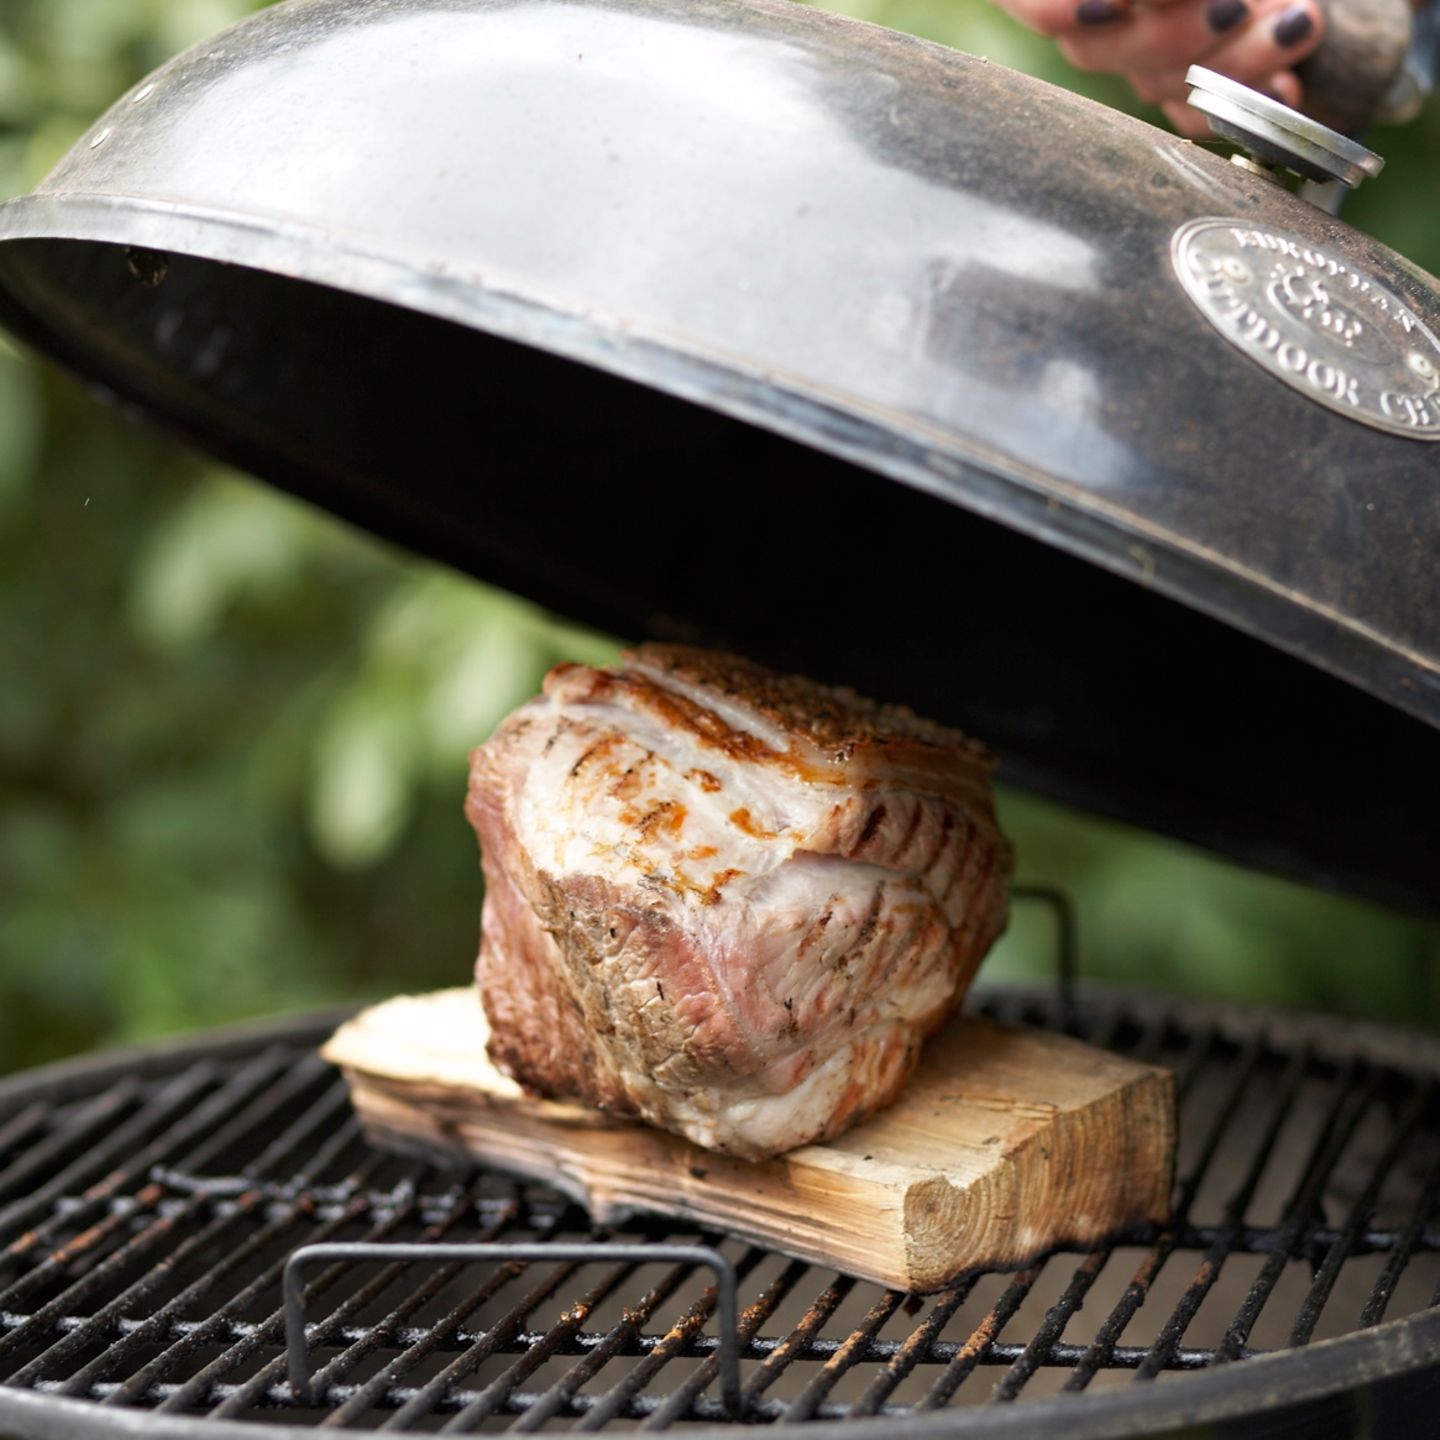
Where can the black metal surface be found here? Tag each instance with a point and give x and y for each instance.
(434, 1255)
(148, 1206)
(743, 266)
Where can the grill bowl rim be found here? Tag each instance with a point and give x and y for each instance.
(1405, 1349)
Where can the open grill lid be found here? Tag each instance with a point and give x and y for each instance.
(644, 307)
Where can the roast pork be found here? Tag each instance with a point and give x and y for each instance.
(726, 901)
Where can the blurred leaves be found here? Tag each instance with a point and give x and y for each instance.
(444, 661)
(20, 435)
(221, 547)
(1164, 917)
(234, 733)
(439, 663)
(64, 61)
(233, 740)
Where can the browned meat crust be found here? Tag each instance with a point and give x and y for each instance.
(730, 902)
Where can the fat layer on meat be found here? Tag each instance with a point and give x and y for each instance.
(729, 902)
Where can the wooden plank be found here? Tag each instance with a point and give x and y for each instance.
(1007, 1143)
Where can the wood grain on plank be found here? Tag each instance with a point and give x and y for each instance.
(1008, 1142)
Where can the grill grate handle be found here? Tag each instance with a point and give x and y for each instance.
(355, 1252)
(1067, 944)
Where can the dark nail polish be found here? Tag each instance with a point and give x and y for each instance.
(1224, 15)
(1293, 26)
(1097, 12)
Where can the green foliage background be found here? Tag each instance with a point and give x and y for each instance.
(233, 733)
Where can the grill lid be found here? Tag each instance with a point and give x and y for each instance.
(643, 307)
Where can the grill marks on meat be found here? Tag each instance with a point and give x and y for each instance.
(729, 902)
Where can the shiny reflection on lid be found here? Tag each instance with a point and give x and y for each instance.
(1196, 174)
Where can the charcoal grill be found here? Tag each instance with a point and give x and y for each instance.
(952, 342)
(152, 1199)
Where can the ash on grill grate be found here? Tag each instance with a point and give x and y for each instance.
(146, 1225)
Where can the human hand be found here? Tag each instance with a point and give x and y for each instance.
(1258, 42)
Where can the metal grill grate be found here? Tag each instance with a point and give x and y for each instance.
(147, 1212)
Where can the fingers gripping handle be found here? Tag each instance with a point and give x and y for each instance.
(1349, 77)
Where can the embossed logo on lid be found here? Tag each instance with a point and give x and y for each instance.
(1317, 322)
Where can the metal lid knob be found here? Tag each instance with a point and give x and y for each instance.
(1274, 134)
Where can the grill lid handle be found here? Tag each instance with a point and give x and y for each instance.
(1272, 134)
(1362, 71)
